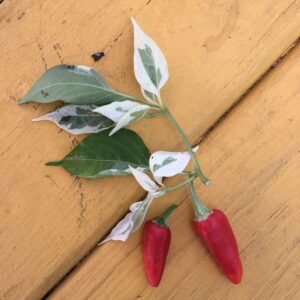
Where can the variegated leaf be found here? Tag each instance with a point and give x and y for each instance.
(78, 119)
(150, 65)
(121, 231)
(150, 98)
(167, 164)
(144, 180)
(132, 115)
(116, 110)
(132, 221)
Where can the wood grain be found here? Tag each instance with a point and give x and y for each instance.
(253, 160)
(215, 50)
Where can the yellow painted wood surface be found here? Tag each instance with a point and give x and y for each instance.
(253, 159)
(215, 50)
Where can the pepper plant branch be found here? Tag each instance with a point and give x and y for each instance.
(176, 187)
(197, 167)
(186, 173)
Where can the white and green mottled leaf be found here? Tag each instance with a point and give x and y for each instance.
(123, 113)
(140, 208)
(132, 115)
(116, 110)
(74, 85)
(144, 180)
(167, 164)
(149, 97)
(150, 65)
(78, 119)
(100, 155)
(131, 222)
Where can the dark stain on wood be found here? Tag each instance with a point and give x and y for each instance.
(97, 55)
(41, 48)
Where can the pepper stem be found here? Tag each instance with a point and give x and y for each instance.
(161, 221)
(175, 187)
(198, 170)
(202, 212)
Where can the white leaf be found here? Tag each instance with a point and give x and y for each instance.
(77, 119)
(150, 65)
(121, 231)
(144, 180)
(116, 110)
(167, 164)
(134, 114)
(139, 210)
(132, 221)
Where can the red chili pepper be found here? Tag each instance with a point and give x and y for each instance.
(217, 235)
(155, 244)
(215, 231)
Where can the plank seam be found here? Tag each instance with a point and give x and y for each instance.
(248, 91)
(201, 139)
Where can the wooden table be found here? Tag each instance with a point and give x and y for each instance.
(234, 86)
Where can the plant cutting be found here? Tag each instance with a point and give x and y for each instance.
(92, 106)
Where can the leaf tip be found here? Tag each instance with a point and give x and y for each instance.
(23, 100)
(53, 163)
(195, 149)
(133, 20)
(37, 119)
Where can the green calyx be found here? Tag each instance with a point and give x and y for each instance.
(161, 221)
(202, 212)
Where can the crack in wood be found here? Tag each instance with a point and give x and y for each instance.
(41, 48)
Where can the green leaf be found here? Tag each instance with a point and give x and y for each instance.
(78, 119)
(101, 155)
(72, 84)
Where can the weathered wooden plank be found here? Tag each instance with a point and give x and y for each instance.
(215, 51)
(252, 158)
